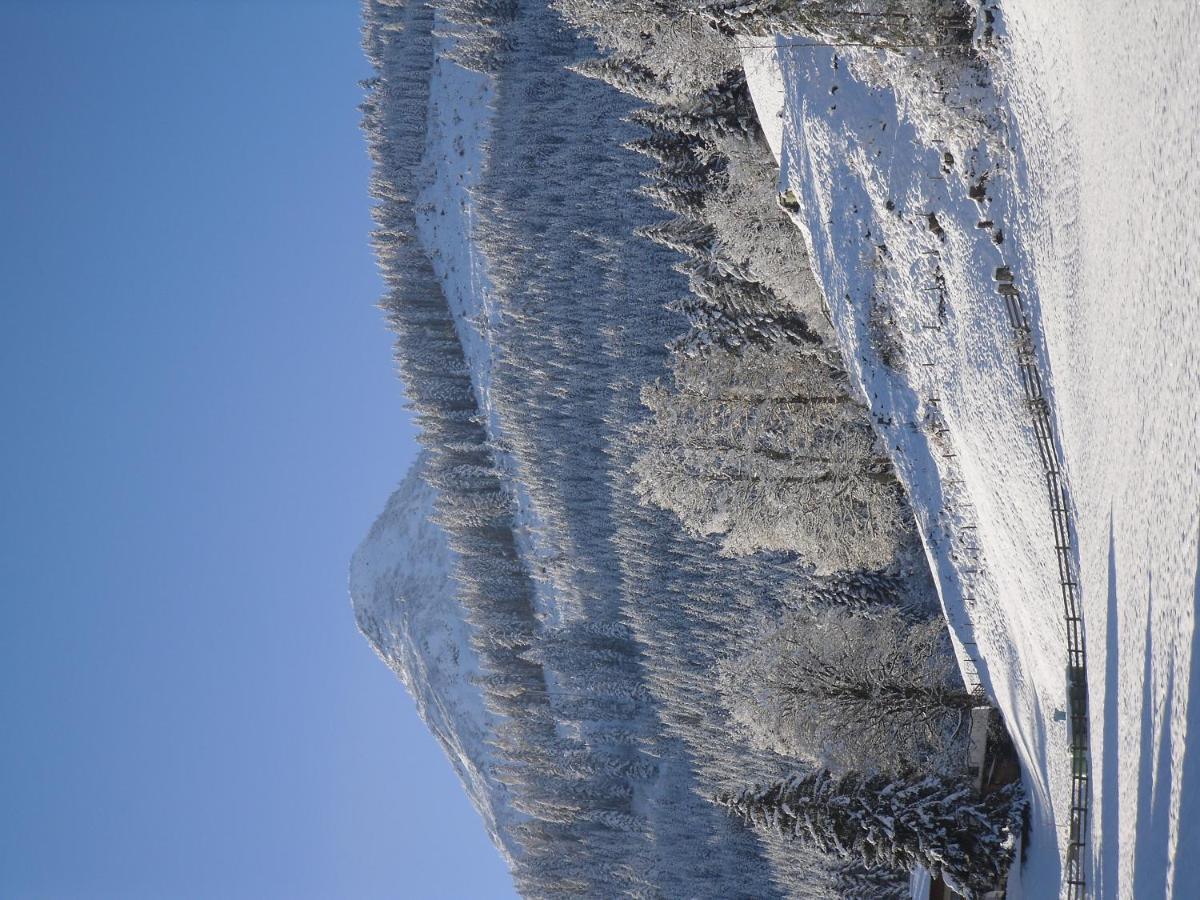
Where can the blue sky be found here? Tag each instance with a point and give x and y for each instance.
(201, 420)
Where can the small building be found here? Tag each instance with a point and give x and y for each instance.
(977, 741)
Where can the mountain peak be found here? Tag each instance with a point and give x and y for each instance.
(406, 604)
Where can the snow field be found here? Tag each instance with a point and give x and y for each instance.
(1105, 107)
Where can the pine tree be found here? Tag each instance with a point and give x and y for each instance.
(893, 823)
(626, 75)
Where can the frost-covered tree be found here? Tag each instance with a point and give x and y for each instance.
(681, 47)
(769, 466)
(480, 32)
(887, 24)
(853, 688)
(857, 881)
(724, 108)
(757, 236)
(728, 311)
(627, 75)
(894, 823)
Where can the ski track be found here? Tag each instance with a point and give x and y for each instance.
(1088, 192)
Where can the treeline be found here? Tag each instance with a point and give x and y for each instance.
(703, 483)
(886, 24)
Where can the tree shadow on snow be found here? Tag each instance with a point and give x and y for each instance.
(1152, 847)
(1187, 861)
(1154, 850)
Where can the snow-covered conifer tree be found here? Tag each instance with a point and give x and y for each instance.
(894, 823)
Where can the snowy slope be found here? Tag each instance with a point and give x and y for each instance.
(459, 117)
(928, 338)
(404, 596)
(456, 154)
(1088, 154)
(1107, 111)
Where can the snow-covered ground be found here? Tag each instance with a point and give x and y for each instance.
(1087, 146)
(1107, 109)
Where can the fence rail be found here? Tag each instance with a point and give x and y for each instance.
(1074, 873)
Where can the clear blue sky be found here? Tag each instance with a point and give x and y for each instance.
(201, 420)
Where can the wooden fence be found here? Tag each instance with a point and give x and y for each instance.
(1074, 873)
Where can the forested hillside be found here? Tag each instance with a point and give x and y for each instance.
(681, 559)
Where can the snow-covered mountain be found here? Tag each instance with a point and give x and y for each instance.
(563, 639)
(405, 600)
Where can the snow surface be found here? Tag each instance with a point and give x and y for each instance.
(459, 124)
(1084, 162)
(1107, 111)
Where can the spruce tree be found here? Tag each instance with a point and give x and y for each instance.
(893, 823)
